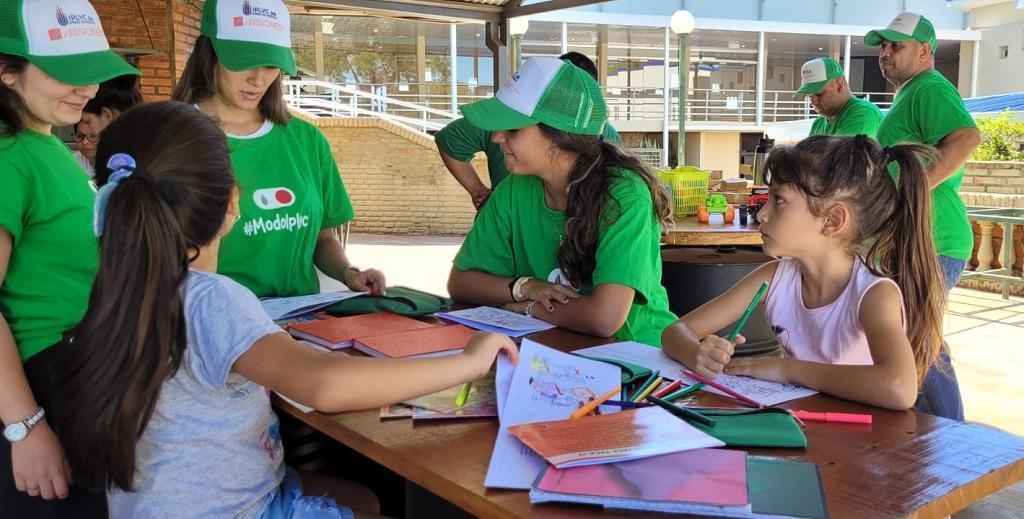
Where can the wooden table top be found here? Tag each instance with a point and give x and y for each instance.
(906, 464)
(688, 231)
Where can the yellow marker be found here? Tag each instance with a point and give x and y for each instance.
(648, 390)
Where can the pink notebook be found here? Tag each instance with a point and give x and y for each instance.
(715, 478)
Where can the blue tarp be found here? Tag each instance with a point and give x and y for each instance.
(995, 103)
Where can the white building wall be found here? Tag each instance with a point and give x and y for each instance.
(998, 75)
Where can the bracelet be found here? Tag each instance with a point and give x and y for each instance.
(517, 289)
(528, 311)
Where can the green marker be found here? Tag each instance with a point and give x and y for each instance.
(672, 397)
(750, 310)
(463, 394)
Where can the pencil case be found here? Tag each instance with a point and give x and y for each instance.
(397, 300)
(766, 427)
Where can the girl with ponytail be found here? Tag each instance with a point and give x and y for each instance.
(166, 379)
(856, 296)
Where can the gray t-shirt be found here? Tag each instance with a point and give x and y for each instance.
(212, 447)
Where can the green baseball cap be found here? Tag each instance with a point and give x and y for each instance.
(545, 90)
(64, 38)
(247, 34)
(816, 73)
(906, 26)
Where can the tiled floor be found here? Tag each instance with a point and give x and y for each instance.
(985, 334)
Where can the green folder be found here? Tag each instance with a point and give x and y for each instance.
(784, 488)
(767, 427)
(630, 372)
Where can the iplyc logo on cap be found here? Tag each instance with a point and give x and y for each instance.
(249, 10)
(65, 19)
(273, 197)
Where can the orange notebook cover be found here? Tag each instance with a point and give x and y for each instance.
(338, 332)
(425, 342)
(627, 435)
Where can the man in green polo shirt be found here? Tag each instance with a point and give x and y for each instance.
(460, 141)
(927, 109)
(840, 113)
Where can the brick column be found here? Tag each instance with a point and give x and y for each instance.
(168, 26)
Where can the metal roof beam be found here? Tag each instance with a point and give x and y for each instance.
(549, 5)
(447, 11)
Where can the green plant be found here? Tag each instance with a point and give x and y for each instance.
(1002, 138)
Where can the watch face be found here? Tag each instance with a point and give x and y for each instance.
(15, 432)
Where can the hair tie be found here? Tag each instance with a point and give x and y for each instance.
(888, 155)
(120, 166)
(600, 139)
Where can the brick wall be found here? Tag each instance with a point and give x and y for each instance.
(168, 26)
(396, 180)
(1004, 178)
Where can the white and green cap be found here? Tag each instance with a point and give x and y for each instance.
(64, 38)
(816, 73)
(545, 90)
(906, 26)
(247, 34)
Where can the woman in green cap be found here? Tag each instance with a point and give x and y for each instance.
(292, 193)
(52, 58)
(572, 237)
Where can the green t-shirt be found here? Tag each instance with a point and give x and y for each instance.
(46, 206)
(517, 234)
(290, 190)
(461, 140)
(857, 117)
(927, 109)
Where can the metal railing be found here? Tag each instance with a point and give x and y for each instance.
(323, 99)
(426, 107)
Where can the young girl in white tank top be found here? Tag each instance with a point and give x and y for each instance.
(856, 298)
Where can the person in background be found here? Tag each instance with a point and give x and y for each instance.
(839, 111)
(114, 96)
(48, 255)
(928, 109)
(459, 141)
(85, 153)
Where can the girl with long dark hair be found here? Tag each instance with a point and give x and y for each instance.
(167, 377)
(572, 237)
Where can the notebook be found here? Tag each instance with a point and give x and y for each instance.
(606, 438)
(702, 481)
(286, 307)
(338, 332)
(496, 320)
(435, 341)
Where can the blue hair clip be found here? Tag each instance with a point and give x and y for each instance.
(120, 166)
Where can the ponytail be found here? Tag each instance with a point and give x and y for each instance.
(133, 335)
(904, 250)
(893, 219)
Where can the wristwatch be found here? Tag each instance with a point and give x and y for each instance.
(17, 431)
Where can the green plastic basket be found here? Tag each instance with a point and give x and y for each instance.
(689, 188)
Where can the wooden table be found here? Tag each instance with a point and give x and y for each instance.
(687, 231)
(907, 464)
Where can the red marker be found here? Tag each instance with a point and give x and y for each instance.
(833, 417)
(668, 389)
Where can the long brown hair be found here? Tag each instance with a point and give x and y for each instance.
(590, 207)
(12, 106)
(892, 219)
(133, 335)
(199, 82)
